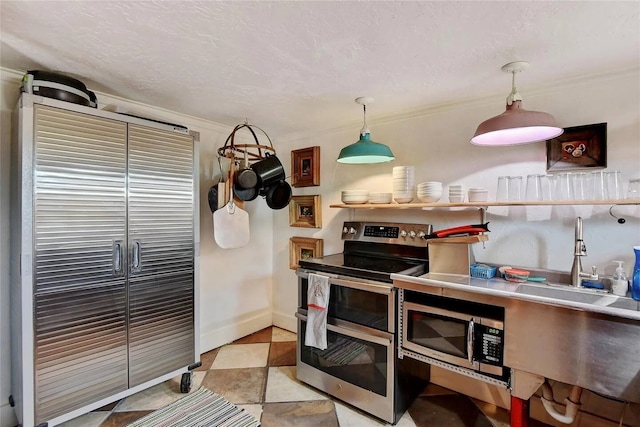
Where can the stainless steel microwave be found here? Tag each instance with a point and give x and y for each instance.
(458, 337)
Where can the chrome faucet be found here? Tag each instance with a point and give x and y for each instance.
(577, 275)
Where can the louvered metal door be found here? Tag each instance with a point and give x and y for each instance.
(79, 222)
(161, 244)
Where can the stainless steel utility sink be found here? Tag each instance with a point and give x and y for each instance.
(584, 296)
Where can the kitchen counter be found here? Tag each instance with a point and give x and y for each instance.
(575, 336)
(598, 301)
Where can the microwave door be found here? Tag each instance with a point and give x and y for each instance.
(439, 334)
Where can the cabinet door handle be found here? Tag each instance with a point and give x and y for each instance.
(117, 258)
(135, 257)
(470, 341)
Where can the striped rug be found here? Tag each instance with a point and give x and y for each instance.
(202, 408)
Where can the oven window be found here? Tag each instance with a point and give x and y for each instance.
(444, 334)
(355, 305)
(361, 363)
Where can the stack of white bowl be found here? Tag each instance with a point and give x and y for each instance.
(404, 182)
(380, 197)
(429, 191)
(355, 196)
(478, 194)
(456, 193)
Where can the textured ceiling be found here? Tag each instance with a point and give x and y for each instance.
(297, 66)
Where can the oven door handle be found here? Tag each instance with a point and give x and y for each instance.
(362, 285)
(353, 334)
(470, 340)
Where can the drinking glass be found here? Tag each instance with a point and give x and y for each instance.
(515, 188)
(597, 188)
(634, 189)
(533, 190)
(502, 193)
(614, 185)
(578, 185)
(564, 191)
(548, 184)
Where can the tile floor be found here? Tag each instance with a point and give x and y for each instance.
(258, 373)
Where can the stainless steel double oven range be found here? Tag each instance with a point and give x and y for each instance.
(360, 364)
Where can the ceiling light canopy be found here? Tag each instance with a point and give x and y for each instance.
(365, 151)
(516, 125)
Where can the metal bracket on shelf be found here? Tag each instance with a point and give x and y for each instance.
(620, 220)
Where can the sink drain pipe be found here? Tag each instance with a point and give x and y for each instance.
(572, 402)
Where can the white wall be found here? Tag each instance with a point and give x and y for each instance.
(8, 95)
(235, 285)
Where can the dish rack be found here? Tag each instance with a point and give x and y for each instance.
(483, 271)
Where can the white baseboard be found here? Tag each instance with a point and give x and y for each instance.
(285, 321)
(214, 338)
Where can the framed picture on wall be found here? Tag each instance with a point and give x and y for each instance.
(303, 248)
(579, 147)
(305, 211)
(305, 167)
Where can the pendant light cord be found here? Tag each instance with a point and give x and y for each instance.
(365, 128)
(514, 95)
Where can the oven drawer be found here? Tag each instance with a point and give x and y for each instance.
(357, 301)
(356, 367)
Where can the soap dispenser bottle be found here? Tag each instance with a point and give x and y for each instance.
(635, 284)
(619, 283)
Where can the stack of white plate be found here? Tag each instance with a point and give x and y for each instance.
(430, 191)
(380, 197)
(478, 194)
(404, 182)
(456, 193)
(355, 196)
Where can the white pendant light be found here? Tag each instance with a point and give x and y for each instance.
(516, 125)
(365, 151)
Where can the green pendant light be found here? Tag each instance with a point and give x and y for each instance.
(365, 151)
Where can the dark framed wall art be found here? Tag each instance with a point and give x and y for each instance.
(305, 211)
(579, 147)
(303, 248)
(305, 167)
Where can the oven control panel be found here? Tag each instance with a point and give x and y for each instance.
(386, 232)
(381, 231)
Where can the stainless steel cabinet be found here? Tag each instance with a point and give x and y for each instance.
(160, 241)
(104, 273)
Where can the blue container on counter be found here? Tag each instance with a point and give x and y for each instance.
(635, 284)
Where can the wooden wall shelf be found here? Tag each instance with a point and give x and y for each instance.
(484, 204)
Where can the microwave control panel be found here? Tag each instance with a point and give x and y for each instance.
(489, 345)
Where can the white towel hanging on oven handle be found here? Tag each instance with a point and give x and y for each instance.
(318, 289)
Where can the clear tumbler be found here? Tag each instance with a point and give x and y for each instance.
(564, 191)
(614, 185)
(533, 190)
(515, 188)
(597, 189)
(502, 192)
(579, 185)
